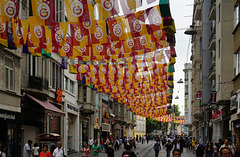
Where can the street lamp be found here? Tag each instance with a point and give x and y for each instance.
(190, 31)
(180, 81)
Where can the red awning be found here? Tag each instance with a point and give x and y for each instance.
(49, 108)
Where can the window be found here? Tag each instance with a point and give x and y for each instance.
(9, 78)
(237, 64)
(186, 89)
(186, 76)
(236, 14)
(84, 94)
(116, 109)
(56, 75)
(30, 8)
(219, 82)
(219, 13)
(219, 48)
(43, 68)
(33, 65)
(59, 8)
(71, 86)
(66, 83)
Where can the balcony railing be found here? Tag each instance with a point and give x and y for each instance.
(38, 82)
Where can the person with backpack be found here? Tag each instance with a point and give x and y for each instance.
(128, 152)
(116, 145)
(157, 148)
(59, 151)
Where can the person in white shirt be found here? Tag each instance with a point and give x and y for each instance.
(27, 150)
(35, 150)
(59, 151)
(90, 143)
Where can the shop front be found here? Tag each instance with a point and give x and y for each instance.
(105, 130)
(217, 125)
(72, 126)
(10, 132)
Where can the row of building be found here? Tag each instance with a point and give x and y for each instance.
(212, 81)
(40, 100)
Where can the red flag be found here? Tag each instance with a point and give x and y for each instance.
(79, 38)
(59, 31)
(155, 18)
(117, 28)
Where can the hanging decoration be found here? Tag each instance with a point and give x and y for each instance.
(131, 57)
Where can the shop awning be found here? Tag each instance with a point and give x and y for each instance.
(49, 108)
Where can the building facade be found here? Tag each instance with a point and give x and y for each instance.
(188, 97)
(140, 129)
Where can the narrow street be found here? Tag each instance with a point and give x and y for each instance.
(142, 150)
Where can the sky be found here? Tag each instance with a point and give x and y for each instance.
(182, 11)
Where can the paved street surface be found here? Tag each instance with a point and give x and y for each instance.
(143, 150)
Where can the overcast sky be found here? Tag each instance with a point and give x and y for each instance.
(182, 11)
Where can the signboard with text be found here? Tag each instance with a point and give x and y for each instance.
(217, 114)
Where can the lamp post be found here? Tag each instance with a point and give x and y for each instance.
(190, 31)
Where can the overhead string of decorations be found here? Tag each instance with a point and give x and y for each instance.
(131, 57)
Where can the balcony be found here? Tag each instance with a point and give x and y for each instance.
(212, 72)
(198, 11)
(38, 83)
(212, 11)
(88, 108)
(198, 114)
(120, 120)
(212, 42)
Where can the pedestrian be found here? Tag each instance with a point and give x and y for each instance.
(225, 152)
(193, 144)
(27, 150)
(110, 149)
(140, 139)
(86, 151)
(215, 150)
(134, 144)
(90, 143)
(200, 151)
(116, 145)
(232, 147)
(102, 143)
(95, 149)
(157, 148)
(226, 144)
(168, 148)
(128, 152)
(178, 145)
(209, 151)
(147, 139)
(176, 153)
(36, 150)
(59, 151)
(3, 151)
(45, 152)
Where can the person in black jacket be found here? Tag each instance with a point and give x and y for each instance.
(178, 145)
(200, 151)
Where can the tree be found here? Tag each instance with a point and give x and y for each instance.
(177, 110)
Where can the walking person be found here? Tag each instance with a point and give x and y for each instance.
(36, 150)
(90, 143)
(27, 150)
(178, 145)
(209, 151)
(59, 151)
(200, 151)
(176, 153)
(193, 144)
(116, 145)
(168, 148)
(45, 152)
(3, 151)
(157, 148)
(225, 152)
(86, 151)
(110, 149)
(95, 149)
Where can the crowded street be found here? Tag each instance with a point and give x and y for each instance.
(142, 150)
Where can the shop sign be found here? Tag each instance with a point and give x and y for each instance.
(105, 120)
(59, 95)
(199, 95)
(104, 109)
(54, 124)
(106, 127)
(72, 108)
(233, 102)
(213, 97)
(217, 114)
(6, 116)
(107, 116)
